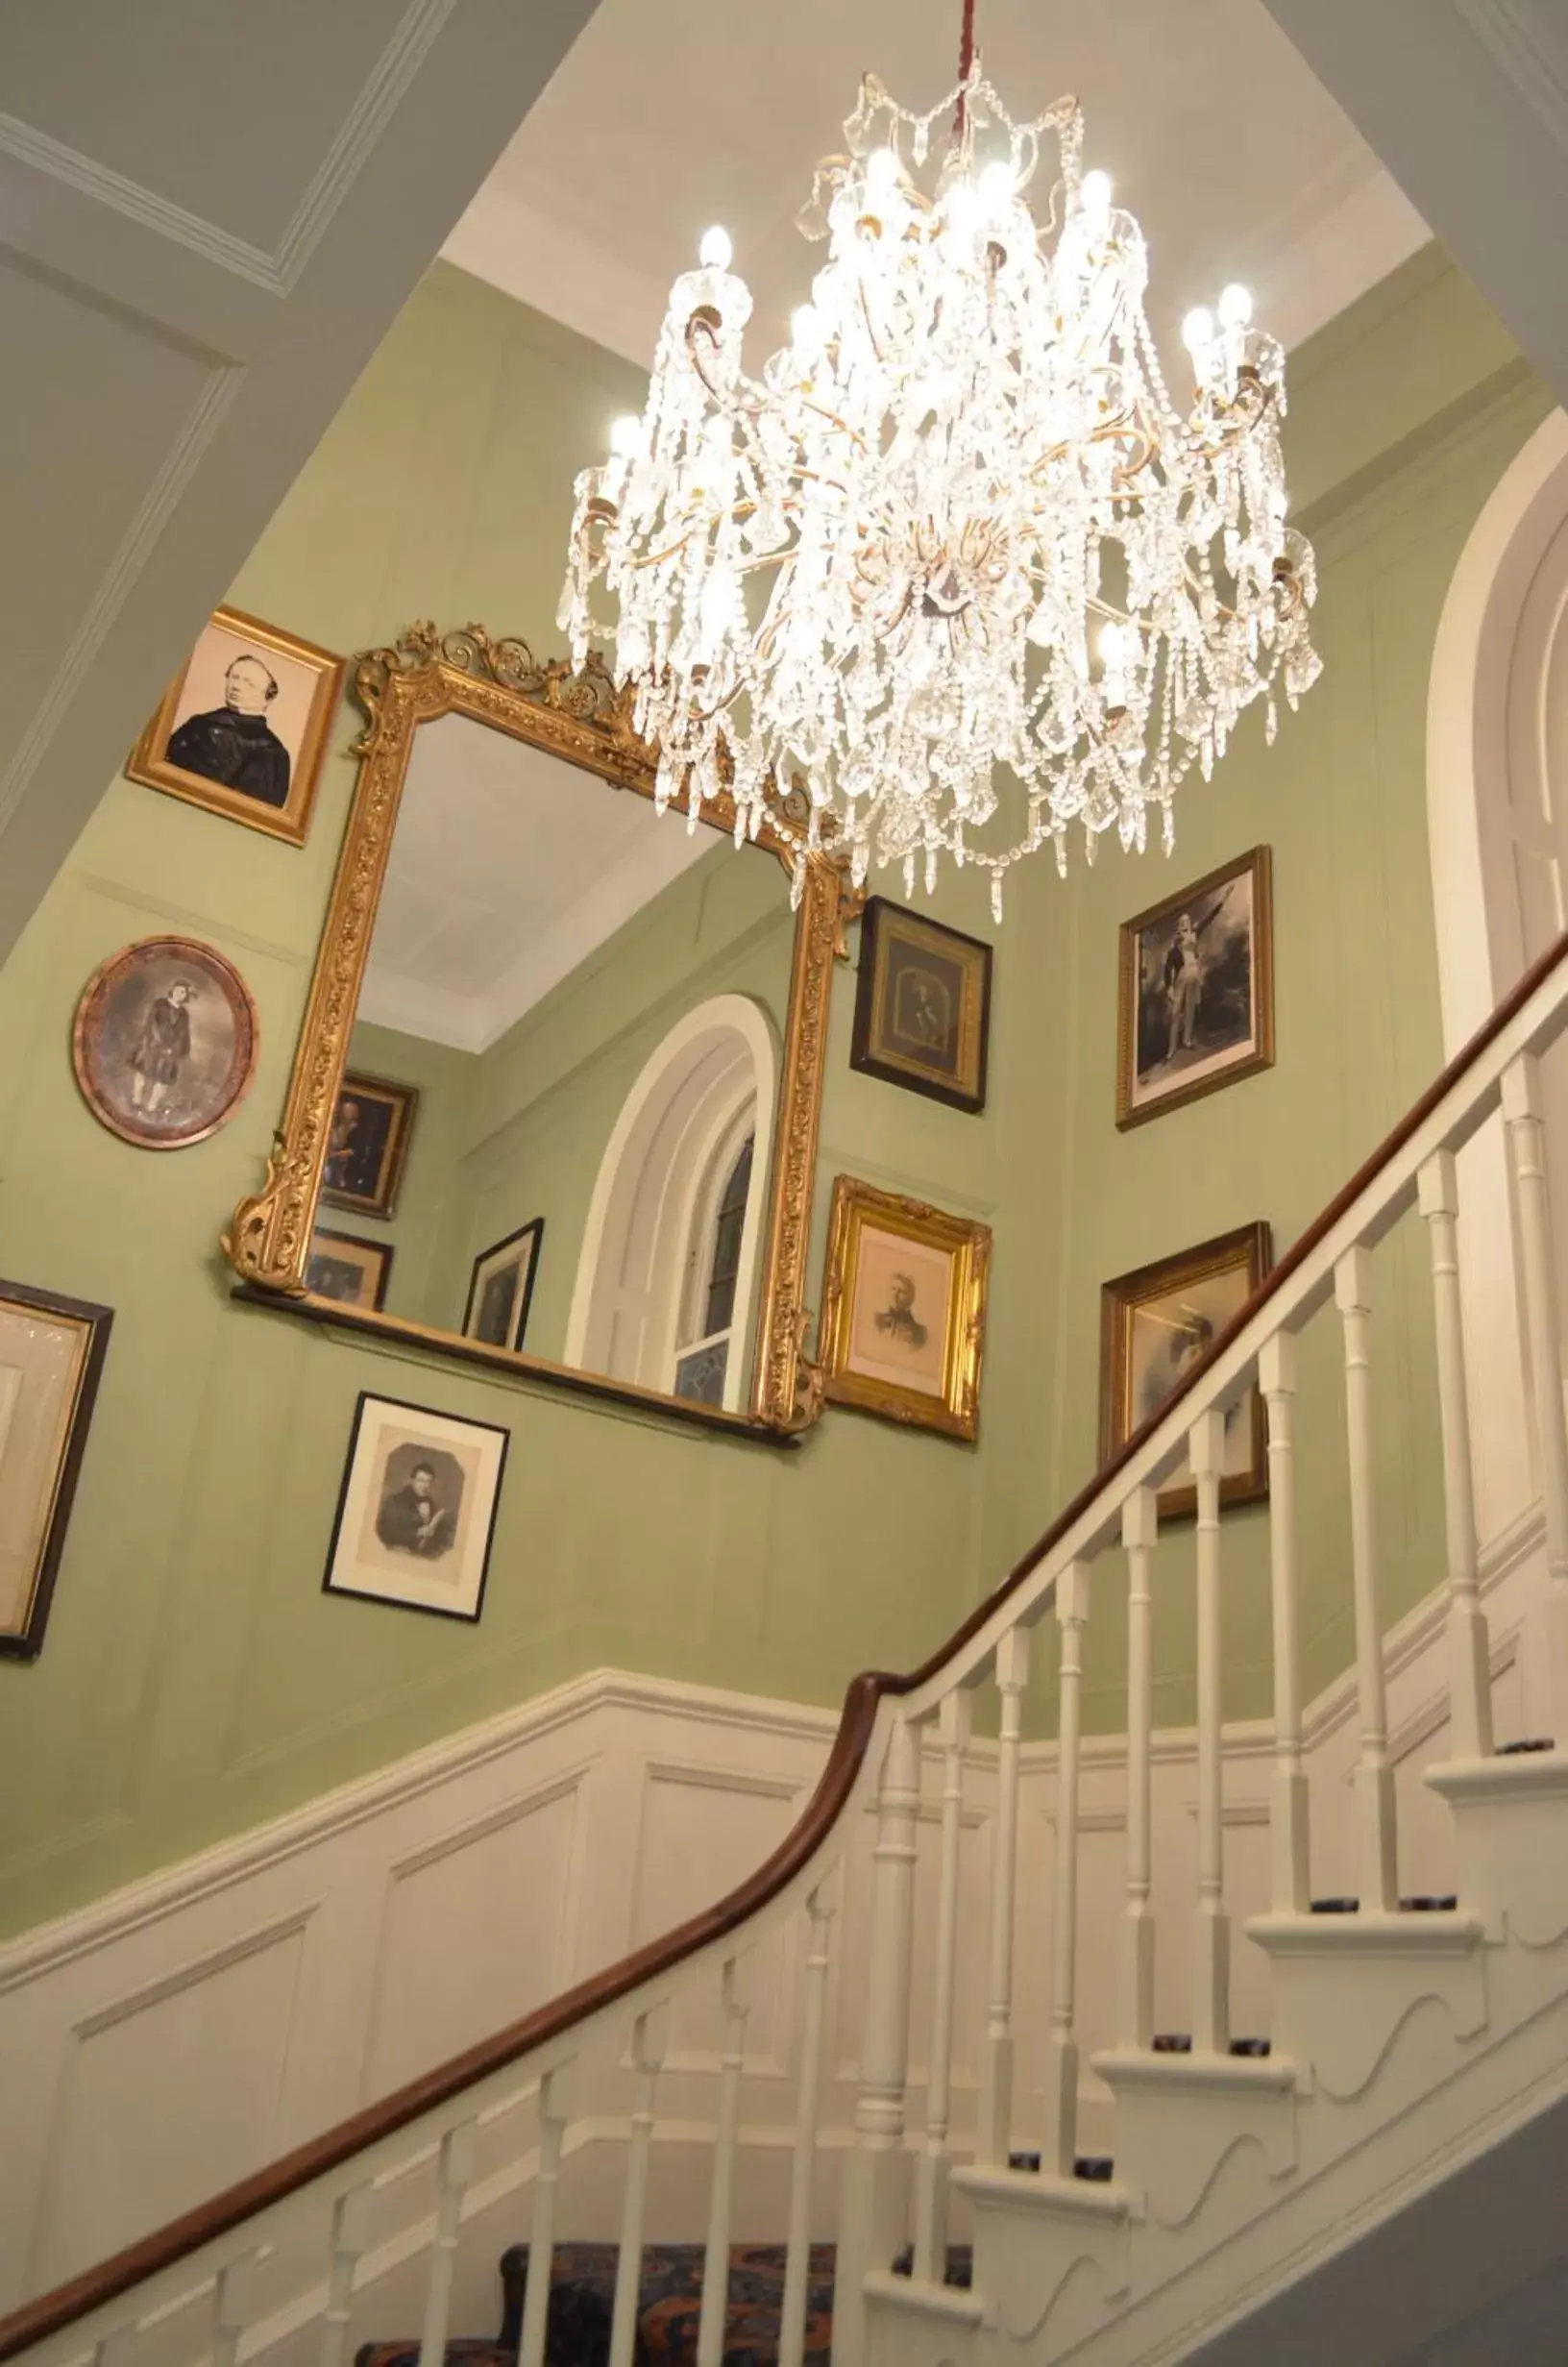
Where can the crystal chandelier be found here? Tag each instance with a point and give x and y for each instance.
(955, 559)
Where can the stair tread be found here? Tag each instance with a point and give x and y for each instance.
(1097, 2169)
(1179, 2043)
(1420, 1905)
(1518, 1750)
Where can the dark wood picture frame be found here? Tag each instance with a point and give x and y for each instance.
(534, 1229)
(1247, 1253)
(402, 1100)
(392, 1601)
(1224, 1067)
(877, 1046)
(381, 1252)
(25, 1641)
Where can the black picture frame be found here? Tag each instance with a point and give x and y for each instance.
(955, 973)
(26, 1641)
(517, 1320)
(376, 1259)
(333, 1585)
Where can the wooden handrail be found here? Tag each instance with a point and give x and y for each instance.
(50, 2313)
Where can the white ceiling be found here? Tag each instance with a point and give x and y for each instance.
(669, 115)
(508, 868)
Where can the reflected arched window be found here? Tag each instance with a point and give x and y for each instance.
(672, 1249)
(714, 1269)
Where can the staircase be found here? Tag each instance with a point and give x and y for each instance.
(1410, 2037)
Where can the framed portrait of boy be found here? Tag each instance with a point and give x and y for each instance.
(922, 1005)
(501, 1288)
(242, 729)
(349, 1267)
(1155, 1326)
(1195, 999)
(904, 1309)
(416, 1513)
(165, 1041)
(372, 1120)
(52, 1352)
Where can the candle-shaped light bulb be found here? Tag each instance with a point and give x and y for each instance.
(716, 250)
(997, 186)
(626, 436)
(882, 173)
(1198, 332)
(1234, 306)
(1094, 196)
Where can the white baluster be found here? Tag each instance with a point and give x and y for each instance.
(1469, 1651)
(1287, 1819)
(454, 2171)
(232, 2301)
(648, 2041)
(1062, 2067)
(874, 2202)
(554, 2113)
(931, 2173)
(1212, 1953)
(1140, 1528)
(710, 2330)
(1524, 1112)
(351, 2232)
(1376, 1871)
(996, 2095)
(792, 2321)
(115, 2348)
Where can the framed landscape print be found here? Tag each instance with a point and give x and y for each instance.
(501, 1285)
(922, 1005)
(369, 1142)
(904, 1309)
(417, 1509)
(165, 1041)
(243, 728)
(348, 1267)
(1196, 999)
(1155, 1324)
(52, 1352)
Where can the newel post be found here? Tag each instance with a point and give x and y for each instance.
(874, 2206)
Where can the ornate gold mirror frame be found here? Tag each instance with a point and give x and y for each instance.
(582, 718)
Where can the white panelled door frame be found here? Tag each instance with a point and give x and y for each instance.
(182, 316)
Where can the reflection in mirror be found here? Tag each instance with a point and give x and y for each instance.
(556, 1122)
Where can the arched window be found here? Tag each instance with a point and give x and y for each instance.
(669, 1257)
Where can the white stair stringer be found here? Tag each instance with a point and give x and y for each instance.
(1410, 2046)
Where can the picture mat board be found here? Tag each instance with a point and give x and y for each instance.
(388, 1439)
(50, 1354)
(880, 1353)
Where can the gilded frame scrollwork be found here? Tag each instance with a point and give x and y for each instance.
(583, 717)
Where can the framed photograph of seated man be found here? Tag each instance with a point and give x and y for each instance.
(904, 1309)
(500, 1287)
(922, 1005)
(372, 1120)
(1196, 1001)
(1155, 1324)
(416, 1513)
(243, 728)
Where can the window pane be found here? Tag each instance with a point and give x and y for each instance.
(728, 1228)
(701, 1375)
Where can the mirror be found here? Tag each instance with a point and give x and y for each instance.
(555, 1098)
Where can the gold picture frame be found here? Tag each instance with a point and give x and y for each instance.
(271, 740)
(1195, 990)
(1155, 1323)
(584, 719)
(892, 1264)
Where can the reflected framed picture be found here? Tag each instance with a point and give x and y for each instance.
(904, 1309)
(1155, 1324)
(242, 730)
(372, 1120)
(922, 1005)
(349, 1267)
(52, 1352)
(1195, 999)
(500, 1287)
(416, 1513)
(165, 1041)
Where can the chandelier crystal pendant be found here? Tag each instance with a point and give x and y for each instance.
(955, 559)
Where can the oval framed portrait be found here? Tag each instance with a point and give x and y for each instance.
(164, 1042)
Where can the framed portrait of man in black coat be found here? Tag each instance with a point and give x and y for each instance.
(243, 728)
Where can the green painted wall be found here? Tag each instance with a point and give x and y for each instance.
(195, 1680)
